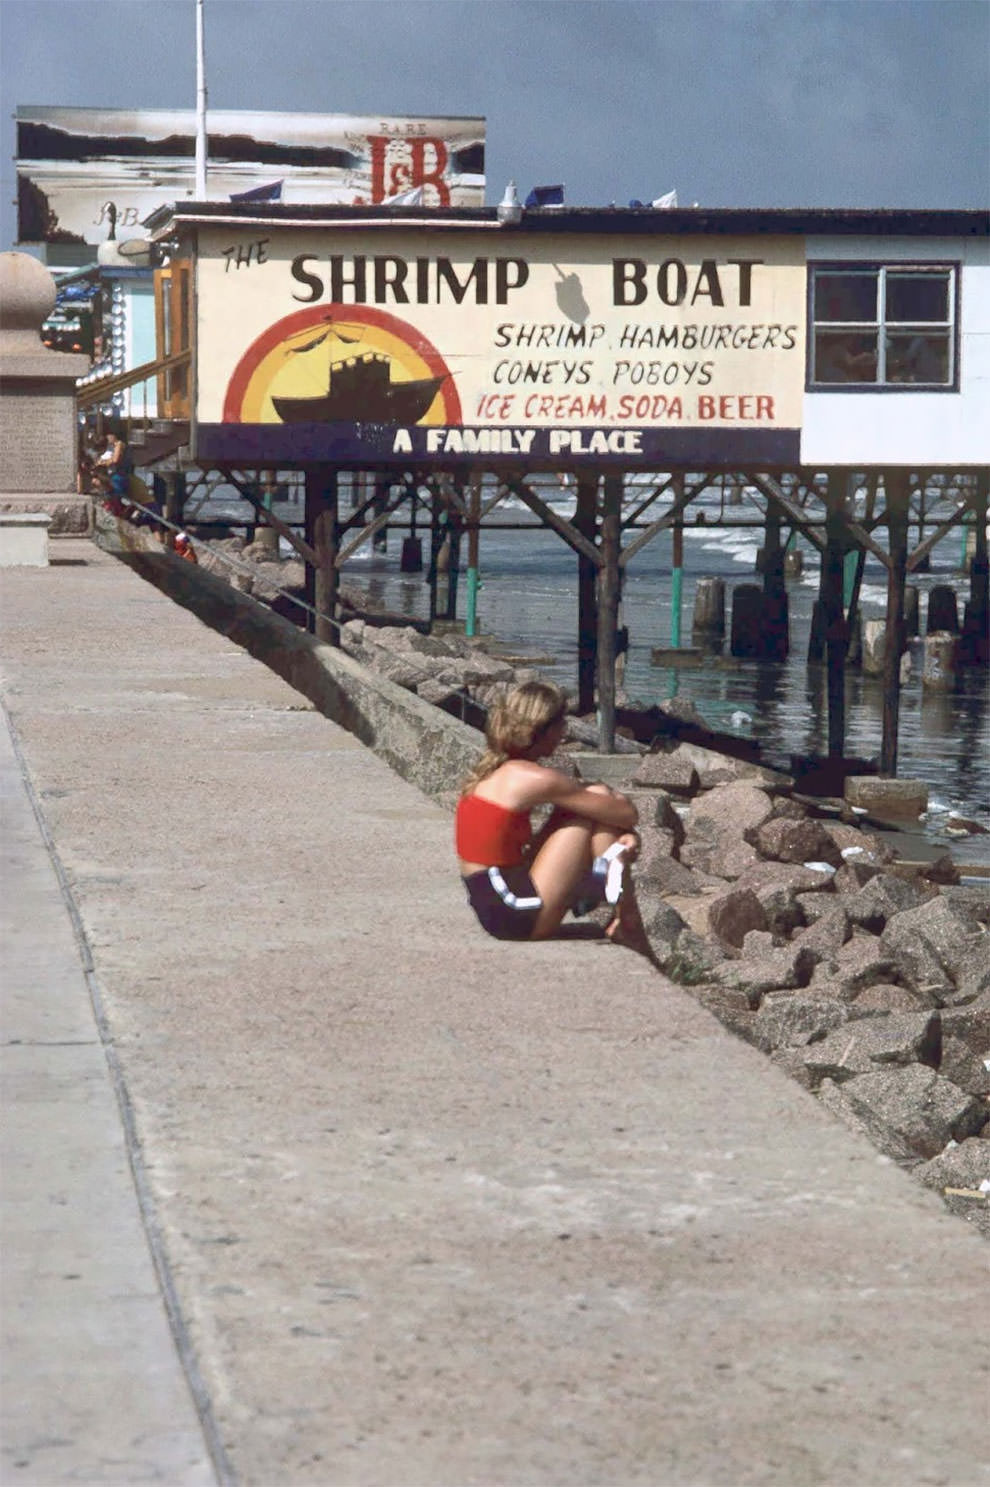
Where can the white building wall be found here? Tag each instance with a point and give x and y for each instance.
(910, 428)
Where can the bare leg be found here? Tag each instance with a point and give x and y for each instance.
(564, 851)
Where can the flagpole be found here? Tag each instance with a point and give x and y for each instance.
(200, 105)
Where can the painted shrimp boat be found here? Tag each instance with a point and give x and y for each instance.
(361, 390)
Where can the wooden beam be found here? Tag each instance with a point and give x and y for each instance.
(924, 548)
(297, 543)
(795, 515)
(368, 531)
(670, 516)
(560, 524)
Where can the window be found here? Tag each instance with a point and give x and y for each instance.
(890, 326)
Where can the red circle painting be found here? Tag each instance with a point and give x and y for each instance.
(342, 364)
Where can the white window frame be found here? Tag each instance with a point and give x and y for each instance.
(881, 327)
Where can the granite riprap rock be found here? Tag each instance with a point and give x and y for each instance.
(974, 980)
(783, 839)
(970, 1022)
(861, 962)
(715, 839)
(966, 1164)
(961, 1174)
(936, 944)
(786, 968)
(828, 934)
(658, 871)
(667, 770)
(882, 897)
(681, 954)
(882, 997)
(656, 809)
(908, 1112)
(782, 889)
(854, 873)
(714, 768)
(791, 1019)
(900, 1038)
(855, 843)
(732, 915)
(964, 1067)
(440, 694)
(406, 671)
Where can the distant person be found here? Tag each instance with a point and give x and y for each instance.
(521, 885)
(185, 549)
(116, 465)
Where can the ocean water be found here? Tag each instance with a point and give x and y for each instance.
(528, 602)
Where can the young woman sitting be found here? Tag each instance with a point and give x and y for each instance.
(519, 884)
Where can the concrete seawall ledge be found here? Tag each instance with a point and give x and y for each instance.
(429, 1210)
(423, 744)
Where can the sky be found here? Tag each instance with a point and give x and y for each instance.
(732, 103)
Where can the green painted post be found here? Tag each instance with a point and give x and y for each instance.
(849, 563)
(471, 605)
(473, 580)
(677, 586)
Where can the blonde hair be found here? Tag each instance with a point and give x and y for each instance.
(514, 724)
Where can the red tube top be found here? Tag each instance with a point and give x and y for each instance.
(490, 834)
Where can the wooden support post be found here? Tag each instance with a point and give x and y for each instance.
(976, 624)
(608, 609)
(455, 526)
(322, 532)
(775, 606)
(677, 566)
(379, 541)
(836, 634)
(473, 534)
(436, 539)
(897, 492)
(585, 519)
(175, 500)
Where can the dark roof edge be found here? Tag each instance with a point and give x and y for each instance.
(905, 222)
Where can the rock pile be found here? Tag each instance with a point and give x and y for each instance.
(864, 977)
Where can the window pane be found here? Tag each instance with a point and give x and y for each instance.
(918, 296)
(845, 295)
(914, 356)
(844, 357)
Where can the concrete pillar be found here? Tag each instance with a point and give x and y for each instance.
(708, 624)
(874, 646)
(912, 613)
(38, 434)
(941, 650)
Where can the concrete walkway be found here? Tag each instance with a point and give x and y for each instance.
(306, 1181)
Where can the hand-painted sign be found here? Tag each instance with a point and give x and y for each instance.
(79, 169)
(398, 345)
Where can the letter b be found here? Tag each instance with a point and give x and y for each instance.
(627, 281)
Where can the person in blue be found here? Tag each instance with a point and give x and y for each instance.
(117, 464)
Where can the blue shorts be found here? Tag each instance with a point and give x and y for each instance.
(505, 900)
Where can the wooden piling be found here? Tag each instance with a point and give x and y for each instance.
(836, 633)
(585, 520)
(473, 543)
(897, 492)
(608, 609)
(323, 534)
